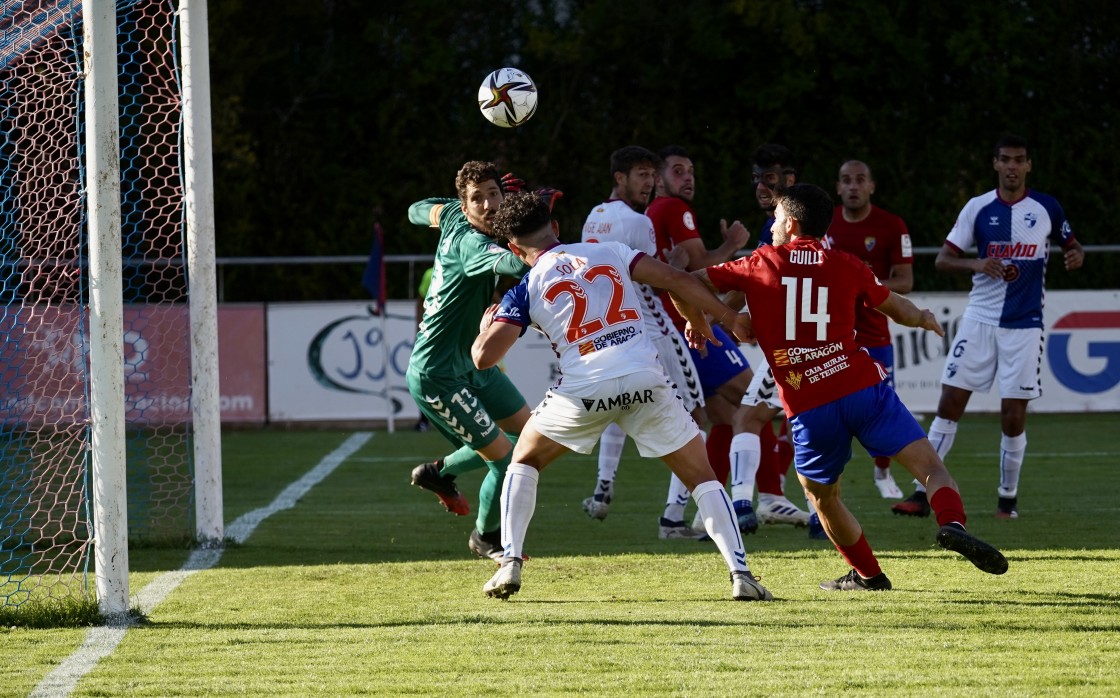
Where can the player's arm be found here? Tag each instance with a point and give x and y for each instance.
(427, 212)
(949, 259)
(687, 292)
(1074, 255)
(904, 312)
(735, 237)
(494, 340)
(901, 279)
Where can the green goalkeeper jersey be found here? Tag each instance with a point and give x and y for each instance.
(463, 281)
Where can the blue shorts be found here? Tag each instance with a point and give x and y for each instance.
(721, 364)
(885, 356)
(822, 436)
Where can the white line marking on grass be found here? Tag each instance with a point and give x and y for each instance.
(101, 641)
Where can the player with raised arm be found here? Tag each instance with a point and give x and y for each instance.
(582, 297)
(620, 219)
(805, 297)
(1000, 333)
(480, 412)
(880, 239)
(724, 371)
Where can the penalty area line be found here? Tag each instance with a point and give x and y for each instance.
(102, 640)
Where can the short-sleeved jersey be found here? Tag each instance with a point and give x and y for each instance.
(582, 298)
(1019, 233)
(881, 240)
(462, 287)
(615, 221)
(803, 298)
(673, 223)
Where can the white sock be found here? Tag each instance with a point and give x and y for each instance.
(721, 524)
(677, 499)
(746, 454)
(519, 501)
(1011, 452)
(610, 451)
(942, 432)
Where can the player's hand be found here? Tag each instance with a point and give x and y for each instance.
(991, 266)
(743, 328)
(699, 334)
(549, 195)
(487, 318)
(929, 322)
(735, 233)
(511, 183)
(1074, 258)
(676, 257)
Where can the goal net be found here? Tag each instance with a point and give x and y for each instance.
(46, 519)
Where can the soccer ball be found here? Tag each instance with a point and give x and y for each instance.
(507, 97)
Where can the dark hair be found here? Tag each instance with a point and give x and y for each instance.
(810, 206)
(628, 157)
(475, 172)
(521, 215)
(672, 151)
(1010, 140)
(775, 155)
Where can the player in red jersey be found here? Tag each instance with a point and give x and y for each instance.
(880, 239)
(724, 371)
(805, 298)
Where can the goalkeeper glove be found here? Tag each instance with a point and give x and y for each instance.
(511, 183)
(549, 195)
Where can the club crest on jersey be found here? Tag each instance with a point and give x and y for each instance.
(869, 243)
(794, 380)
(1031, 218)
(619, 402)
(689, 221)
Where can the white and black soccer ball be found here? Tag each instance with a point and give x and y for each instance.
(507, 97)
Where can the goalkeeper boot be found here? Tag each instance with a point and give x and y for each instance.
(745, 587)
(853, 582)
(915, 505)
(506, 581)
(952, 536)
(443, 486)
(487, 544)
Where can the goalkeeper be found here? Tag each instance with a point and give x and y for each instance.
(481, 412)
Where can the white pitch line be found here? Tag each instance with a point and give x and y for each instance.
(102, 640)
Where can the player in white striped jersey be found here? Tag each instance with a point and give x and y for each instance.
(620, 219)
(999, 338)
(582, 297)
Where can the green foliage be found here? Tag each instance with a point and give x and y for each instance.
(329, 116)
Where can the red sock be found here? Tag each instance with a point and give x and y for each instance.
(947, 506)
(785, 449)
(860, 557)
(718, 446)
(882, 462)
(769, 478)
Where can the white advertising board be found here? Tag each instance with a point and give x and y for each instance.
(334, 361)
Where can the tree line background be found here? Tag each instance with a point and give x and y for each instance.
(331, 115)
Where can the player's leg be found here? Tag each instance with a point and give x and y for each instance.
(661, 428)
(533, 453)
(597, 506)
(886, 426)
(672, 525)
(438, 476)
(1020, 360)
(970, 367)
(822, 445)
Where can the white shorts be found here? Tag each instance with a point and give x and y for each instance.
(763, 390)
(677, 362)
(981, 352)
(644, 404)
